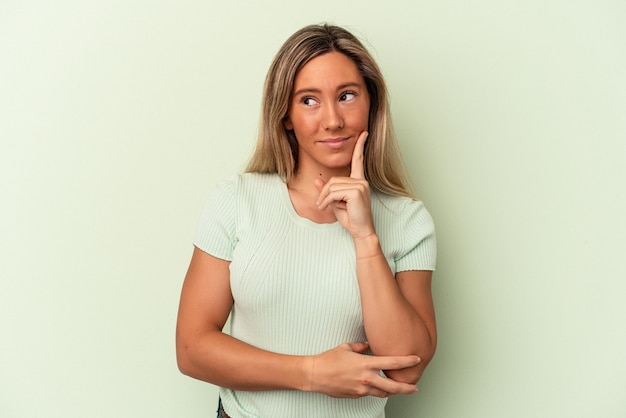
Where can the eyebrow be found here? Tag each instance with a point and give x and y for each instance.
(315, 90)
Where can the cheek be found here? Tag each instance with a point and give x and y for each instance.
(363, 112)
(364, 118)
(303, 124)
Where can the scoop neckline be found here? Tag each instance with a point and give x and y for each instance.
(291, 210)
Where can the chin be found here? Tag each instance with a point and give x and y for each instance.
(338, 165)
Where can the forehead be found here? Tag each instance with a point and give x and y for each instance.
(333, 68)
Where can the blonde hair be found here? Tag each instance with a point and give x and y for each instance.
(277, 148)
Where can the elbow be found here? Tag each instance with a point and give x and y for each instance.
(184, 367)
(184, 359)
(192, 354)
(411, 375)
(187, 365)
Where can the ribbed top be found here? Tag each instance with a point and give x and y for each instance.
(294, 281)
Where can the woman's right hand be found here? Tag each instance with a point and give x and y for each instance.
(345, 372)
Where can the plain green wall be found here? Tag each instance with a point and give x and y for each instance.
(118, 117)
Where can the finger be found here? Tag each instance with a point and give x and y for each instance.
(342, 196)
(342, 191)
(358, 347)
(356, 169)
(319, 184)
(392, 387)
(379, 393)
(395, 362)
(322, 188)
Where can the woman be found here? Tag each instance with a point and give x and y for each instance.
(318, 250)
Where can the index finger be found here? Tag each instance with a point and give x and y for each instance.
(395, 362)
(356, 168)
(392, 387)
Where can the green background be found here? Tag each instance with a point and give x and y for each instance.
(118, 117)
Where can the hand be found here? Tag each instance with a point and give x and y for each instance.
(349, 197)
(344, 372)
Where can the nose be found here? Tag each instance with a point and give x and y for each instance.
(332, 119)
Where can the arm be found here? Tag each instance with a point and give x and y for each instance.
(206, 353)
(398, 311)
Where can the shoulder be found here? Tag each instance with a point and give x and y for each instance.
(257, 185)
(253, 194)
(400, 209)
(249, 178)
(246, 182)
(402, 219)
(258, 179)
(406, 230)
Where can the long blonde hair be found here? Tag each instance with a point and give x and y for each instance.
(277, 148)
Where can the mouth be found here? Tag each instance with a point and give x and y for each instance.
(335, 142)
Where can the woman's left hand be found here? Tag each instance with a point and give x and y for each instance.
(349, 197)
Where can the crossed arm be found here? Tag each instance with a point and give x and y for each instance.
(206, 353)
(398, 311)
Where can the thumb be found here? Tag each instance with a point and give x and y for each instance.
(319, 184)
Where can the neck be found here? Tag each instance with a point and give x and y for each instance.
(304, 178)
(304, 193)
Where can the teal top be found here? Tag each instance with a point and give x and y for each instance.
(294, 281)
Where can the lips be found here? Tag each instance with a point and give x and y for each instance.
(334, 142)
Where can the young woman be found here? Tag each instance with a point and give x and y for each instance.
(319, 251)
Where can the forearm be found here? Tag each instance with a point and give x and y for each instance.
(392, 325)
(218, 358)
(342, 372)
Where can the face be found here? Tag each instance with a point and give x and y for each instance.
(328, 111)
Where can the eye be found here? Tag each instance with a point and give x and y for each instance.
(347, 96)
(308, 101)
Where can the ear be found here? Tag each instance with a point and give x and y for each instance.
(287, 124)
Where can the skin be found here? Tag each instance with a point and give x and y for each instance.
(329, 115)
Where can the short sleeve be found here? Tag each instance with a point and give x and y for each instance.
(216, 233)
(419, 240)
